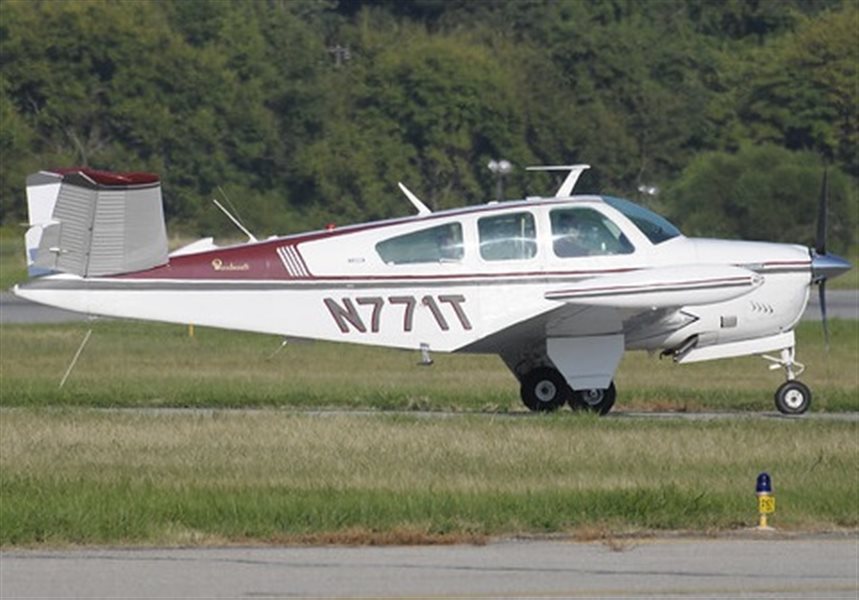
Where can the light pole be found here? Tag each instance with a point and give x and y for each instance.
(340, 53)
(501, 168)
(649, 191)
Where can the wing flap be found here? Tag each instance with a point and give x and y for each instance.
(662, 287)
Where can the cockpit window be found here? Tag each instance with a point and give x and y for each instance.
(436, 244)
(586, 232)
(509, 236)
(656, 227)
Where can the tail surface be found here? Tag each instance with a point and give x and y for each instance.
(94, 223)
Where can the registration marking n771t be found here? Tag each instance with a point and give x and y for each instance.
(346, 313)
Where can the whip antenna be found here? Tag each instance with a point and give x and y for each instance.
(235, 221)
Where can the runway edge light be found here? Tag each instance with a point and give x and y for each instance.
(766, 500)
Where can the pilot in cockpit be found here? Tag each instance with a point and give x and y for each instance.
(567, 238)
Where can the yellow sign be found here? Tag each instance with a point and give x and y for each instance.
(766, 504)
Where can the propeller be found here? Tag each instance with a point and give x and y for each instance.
(822, 221)
(824, 266)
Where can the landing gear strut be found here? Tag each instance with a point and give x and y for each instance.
(792, 397)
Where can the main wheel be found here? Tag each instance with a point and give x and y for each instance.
(792, 398)
(599, 401)
(544, 389)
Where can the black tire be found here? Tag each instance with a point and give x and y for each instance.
(544, 389)
(792, 398)
(598, 401)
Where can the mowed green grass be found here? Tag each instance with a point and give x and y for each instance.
(75, 470)
(130, 364)
(78, 476)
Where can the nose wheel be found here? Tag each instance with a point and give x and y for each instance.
(792, 397)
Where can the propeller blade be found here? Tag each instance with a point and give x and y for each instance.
(820, 240)
(822, 292)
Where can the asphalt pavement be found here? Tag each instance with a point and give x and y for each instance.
(15, 310)
(759, 566)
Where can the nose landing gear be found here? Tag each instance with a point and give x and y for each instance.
(792, 397)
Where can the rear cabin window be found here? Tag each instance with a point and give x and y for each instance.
(586, 232)
(507, 237)
(436, 244)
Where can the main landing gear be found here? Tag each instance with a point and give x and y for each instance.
(792, 397)
(544, 389)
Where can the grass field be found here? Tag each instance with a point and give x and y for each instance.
(75, 470)
(94, 477)
(128, 364)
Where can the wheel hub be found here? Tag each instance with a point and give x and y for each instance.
(546, 391)
(592, 397)
(794, 399)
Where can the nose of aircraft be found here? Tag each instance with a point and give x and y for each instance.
(827, 266)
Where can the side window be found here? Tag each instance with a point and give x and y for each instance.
(507, 237)
(436, 244)
(586, 232)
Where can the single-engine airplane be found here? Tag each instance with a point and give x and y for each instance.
(557, 286)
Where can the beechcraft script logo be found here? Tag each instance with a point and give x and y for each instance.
(351, 314)
(220, 265)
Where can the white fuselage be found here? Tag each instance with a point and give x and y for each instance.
(338, 286)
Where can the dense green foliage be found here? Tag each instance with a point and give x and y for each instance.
(309, 111)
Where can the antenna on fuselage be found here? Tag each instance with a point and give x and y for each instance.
(235, 220)
(575, 171)
(416, 202)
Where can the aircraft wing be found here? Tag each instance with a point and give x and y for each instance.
(594, 319)
(661, 287)
(627, 302)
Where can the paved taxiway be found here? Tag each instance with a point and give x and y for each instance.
(759, 566)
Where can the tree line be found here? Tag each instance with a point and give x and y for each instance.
(305, 112)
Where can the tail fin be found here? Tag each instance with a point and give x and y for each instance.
(94, 223)
(42, 191)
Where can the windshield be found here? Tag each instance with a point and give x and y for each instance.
(657, 228)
